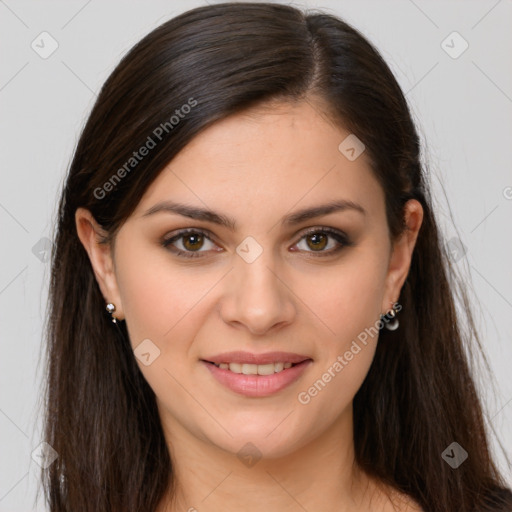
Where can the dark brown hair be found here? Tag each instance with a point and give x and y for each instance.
(419, 395)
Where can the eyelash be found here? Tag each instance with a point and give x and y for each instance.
(339, 236)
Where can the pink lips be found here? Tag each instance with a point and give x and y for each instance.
(257, 385)
(241, 357)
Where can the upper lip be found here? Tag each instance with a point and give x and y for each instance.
(241, 357)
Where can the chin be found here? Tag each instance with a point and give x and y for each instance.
(262, 437)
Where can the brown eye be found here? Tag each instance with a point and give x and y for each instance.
(193, 242)
(317, 241)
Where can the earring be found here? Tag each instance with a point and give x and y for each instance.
(111, 308)
(391, 322)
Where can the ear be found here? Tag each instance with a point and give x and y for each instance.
(100, 255)
(401, 255)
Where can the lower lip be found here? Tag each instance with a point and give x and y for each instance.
(258, 385)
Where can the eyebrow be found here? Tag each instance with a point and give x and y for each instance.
(193, 212)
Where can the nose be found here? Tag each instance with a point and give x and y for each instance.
(258, 296)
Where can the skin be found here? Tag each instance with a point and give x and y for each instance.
(257, 167)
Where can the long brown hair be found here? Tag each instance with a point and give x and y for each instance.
(418, 397)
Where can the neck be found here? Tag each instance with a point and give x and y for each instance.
(320, 475)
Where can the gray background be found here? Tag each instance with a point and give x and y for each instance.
(463, 108)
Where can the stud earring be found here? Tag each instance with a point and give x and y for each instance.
(111, 308)
(391, 322)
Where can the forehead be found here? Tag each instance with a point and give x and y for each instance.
(264, 160)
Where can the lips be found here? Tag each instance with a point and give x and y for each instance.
(241, 371)
(242, 357)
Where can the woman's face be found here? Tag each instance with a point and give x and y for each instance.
(268, 280)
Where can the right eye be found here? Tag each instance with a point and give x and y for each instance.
(191, 240)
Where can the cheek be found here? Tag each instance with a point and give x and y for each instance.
(163, 303)
(167, 304)
(349, 306)
(350, 299)
(158, 296)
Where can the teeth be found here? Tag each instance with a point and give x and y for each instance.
(265, 369)
(254, 369)
(235, 367)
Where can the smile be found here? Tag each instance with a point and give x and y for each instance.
(256, 380)
(254, 369)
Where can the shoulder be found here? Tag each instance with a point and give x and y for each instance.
(392, 500)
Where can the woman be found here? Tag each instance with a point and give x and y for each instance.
(250, 304)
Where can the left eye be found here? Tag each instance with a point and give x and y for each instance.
(192, 241)
(317, 239)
